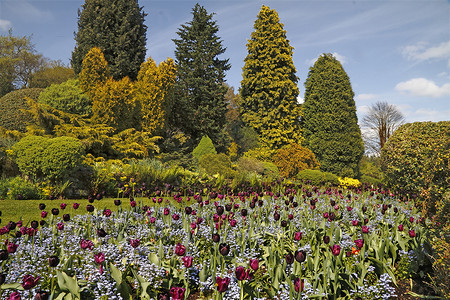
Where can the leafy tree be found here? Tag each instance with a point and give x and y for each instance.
(18, 61)
(153, 85)
(269, 86)
(415, 161)
(54, 72)
(117, 28)
(199, 101)
(330, 125)
(294, 158)
(67, 97)
(95, 71)
(380, 123)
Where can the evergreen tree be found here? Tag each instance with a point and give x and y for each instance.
(330, 125)
(200, 105)
(117, 28)
(95, 71)
(269, 86)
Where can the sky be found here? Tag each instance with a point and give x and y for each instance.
(397, 51)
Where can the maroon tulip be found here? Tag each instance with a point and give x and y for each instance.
(215, 237)
(276, 216)
(99, 258)
(14, 296)
(66, 217)
(55, 211)
(254, 264)
(134, 243)
(359, 243)
(166, 211)
(326, 239)
(180, 249)
(241, 273)
(233, 222)
(63, 206)
(222, 284)
(12, 247)
(86, 244)
(90, 208)
(289, 258)
(60, 226)
(44, 214)
(76, 205)
(400, 227)
(133, 203)
(335, 250)
(349, 208)
(177, 293)
(219, 210)
(355, 222)
(325, 215)
(187, 261)
(365, 229)
(299, 284)
(152, 220)
(411, 219)
(297, 236)
(29, 282)
(107, 212)
(412, 233)
(42, 295)
(188, 210)
(53, 261)
(300, 255)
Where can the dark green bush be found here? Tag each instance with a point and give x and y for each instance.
(42, 158)
(370, 180)
(67, 97)
(11, 105)
(251, 164)
(205, 146)
(316, 177)
(217, 164)
(17, 188)
(415, 161)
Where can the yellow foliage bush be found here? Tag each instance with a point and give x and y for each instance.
(293, 159)
(347, 182)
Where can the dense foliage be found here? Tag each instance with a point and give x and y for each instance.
(12, 106)
(205, 146)
(416, 160)
(95, 71)
(43, 158)
(68, 97)
(330, 125)
(293, 158)
(316, 177)
(214, 164)
(269, 86)
(199, 103)
(53, 73)
(117, 28)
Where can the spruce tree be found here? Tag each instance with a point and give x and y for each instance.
(330, 125)
(269, 86)
(200, 105)
(117, 28)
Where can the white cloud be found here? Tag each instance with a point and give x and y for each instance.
(341, 58)
(365, 97)
(423, 87)
(421, 52)
(5, 25)
(423, 114)
(300, 100)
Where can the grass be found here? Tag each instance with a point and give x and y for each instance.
(28, 210)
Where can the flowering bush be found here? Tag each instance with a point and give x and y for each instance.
(274, 242)
(349, 182)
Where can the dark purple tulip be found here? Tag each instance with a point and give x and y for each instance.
(163, 296)
(224, 249)
(101, 232)
(284, 223)
(331, 216)
(222, 284)
(42, 222)
(276, 216)
(76, 205)
(34, 224)
(241, 273)
(289, 258)
(42, 295)
(117, 202)
(11, 225)
(66, 217)
(335, 250)
(18, 234)
(14, 296)
(188, 210)
(90, 208)
(219, 210)
(244, 212)
(254, 264)
(300, 256)
(60, 226)
(366, 220)
(326, 239)
(187, 261)
(215, 237)
(252, 204)
(53, 261)
(180, 249)
(41, 206)
(177, 293)
(299, 284)
(395, 209)
(29, 282)
(55, 211)
(228, 207)
(134, 243)
(12, 247)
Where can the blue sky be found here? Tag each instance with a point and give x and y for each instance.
(393, 50)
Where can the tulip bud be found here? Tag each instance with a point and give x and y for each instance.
(224, 249)
(300, 256)
(53, 261)
(216, 238)
(289, 258)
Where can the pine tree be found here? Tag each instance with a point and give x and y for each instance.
(269, 86)
(330, 125)
(200, 105)
(117, 28)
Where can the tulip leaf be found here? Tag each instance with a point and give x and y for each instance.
(13, 286)
(154, 259)
(67, 283)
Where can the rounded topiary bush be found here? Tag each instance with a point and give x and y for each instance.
(12, 116)
(415, 161)
(316, 177)
(205, 146)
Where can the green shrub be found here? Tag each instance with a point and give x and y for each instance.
(205, 146)
(43, 158)
(217, 164)
(67, 97)
(370, 180)
(17, 188)
(415, 161)
(12, 105)
(316, 177)
(253, 165)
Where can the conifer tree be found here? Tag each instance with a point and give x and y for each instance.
(199, 100)
(117, 28)
(269, 86)
(95, 71)
(330, 125)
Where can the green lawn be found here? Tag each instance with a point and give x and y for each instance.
(28, 210)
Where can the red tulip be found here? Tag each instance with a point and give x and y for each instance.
(222, 284)
(180, 250)
(187, 261)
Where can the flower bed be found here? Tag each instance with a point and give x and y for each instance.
(299, 243)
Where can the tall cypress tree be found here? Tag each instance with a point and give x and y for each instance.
(200, 105)
(269, 86)
(117, 28)
(330, 125)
